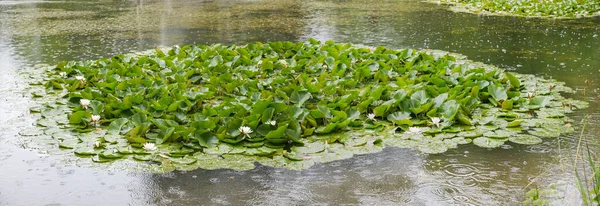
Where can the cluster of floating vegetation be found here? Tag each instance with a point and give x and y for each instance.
(286, 104)
(529, 8)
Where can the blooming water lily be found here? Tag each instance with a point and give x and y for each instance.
(245, 130)
(436, 121)
(413, 130)
(84, 103)
(271, 122)
(149, 146)
(371, 116)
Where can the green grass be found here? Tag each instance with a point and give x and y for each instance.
(589, 183)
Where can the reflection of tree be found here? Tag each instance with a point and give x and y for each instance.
(142, 25)
(361, 22)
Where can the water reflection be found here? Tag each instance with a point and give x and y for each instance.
(52, 31)
(388, 178)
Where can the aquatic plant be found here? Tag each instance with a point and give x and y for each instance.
(537, 196)
(529, 8)
(290, 105)
(588, 184)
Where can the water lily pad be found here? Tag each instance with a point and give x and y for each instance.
(435, 147)
(68, 144)
(110, 154)
(544, 133)
(260, 151)
(525, 139)
(310, 148)
(87, 151)
(143, 157)
(184, 160)
(499, 134)
(100, 159)
(487, 142)
(220, 149)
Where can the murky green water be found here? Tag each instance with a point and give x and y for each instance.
(33, 32)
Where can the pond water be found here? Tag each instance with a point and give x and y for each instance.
(46, 32)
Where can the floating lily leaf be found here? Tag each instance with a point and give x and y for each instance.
(498, 92)
(260, 151)
(100, 159)
(400, 118)
(79, 117)
(87, 151)
(326, 129)
(220, 149)
(185, 160)
(514, 82)
(110, 154)
(206, 139)
(435, 147)
(486, 142)
(515, 123)
(309, 148)
(116, 125)
(525, 139)
(541, 132)
(300, 97)
(278, 133)
(541, 101)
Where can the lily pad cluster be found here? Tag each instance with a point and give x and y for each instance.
(290, 105)
(529, 8)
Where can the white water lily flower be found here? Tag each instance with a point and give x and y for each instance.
(62, 74)
(271, 122)
(283, 63)
(97, 144)
(371, 116)
(80, 78)
(84, 103)
(436, 121)
(245, 130)
(149, 146)
(413, 130)
(95, 118)
(529, 95)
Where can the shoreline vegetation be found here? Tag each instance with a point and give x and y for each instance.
(527, 8)
(290, 105)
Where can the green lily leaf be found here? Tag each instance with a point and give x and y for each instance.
(400, 118)
(514, 81)
(116, 125)
(486, 142)
(498, 92)
(541, 101)
(278, 133)
(326, 129)
(525, 139)
(299, 98)
(206, 139)
(79, 117)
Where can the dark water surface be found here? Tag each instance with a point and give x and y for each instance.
(34, 32)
